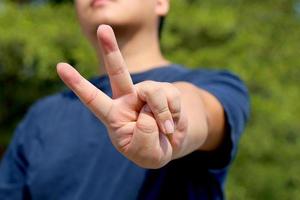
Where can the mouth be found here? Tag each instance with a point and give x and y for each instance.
(98, 3)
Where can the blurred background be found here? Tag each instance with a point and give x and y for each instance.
(258, 40)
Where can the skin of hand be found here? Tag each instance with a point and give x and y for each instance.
(147, 122)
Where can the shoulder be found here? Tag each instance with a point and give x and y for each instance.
(221, 83)
(48, 109)
(203, 74)
(52, 102)
(42, 121)
(207, 75)
(226, 86)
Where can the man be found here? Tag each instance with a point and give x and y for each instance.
(163, 132)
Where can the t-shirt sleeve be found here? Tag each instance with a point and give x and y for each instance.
(232, 93)
(14, 165)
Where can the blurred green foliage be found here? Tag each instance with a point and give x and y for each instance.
(33, 39)
(259, 40)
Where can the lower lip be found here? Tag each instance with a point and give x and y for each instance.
(97, 3)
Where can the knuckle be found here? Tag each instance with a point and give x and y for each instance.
(158, 101)
(174, 100)
(176, 116)
(163, 114)
(158, 94)
(117, 71)
(175, 105)
(145, 84)
(152, 92)
(175, 92)
(148, 82)
(172, 91)
(91, 97)
(161, 110)
(145, 88)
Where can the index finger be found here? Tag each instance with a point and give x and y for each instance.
(98, 102)
(115, 65)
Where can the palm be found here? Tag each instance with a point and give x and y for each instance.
(131, 130)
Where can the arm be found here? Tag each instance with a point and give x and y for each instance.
(206, 117)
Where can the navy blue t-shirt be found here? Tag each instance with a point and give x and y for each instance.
(62, 151)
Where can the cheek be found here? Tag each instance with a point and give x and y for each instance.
(82, 7)
(82, 12)
(78, 8)
(136, 9)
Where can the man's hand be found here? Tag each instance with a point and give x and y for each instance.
(145, 121)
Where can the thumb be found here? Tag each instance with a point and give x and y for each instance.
(148, 147)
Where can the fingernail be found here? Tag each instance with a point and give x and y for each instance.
(169, 126)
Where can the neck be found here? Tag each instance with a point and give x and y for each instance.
(140, 50)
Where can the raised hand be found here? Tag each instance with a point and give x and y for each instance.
(145, 121)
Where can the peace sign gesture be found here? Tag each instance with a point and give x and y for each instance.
(138, 117)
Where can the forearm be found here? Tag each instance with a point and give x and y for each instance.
(206, 120)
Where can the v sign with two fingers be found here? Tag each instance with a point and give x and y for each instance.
(148, 122)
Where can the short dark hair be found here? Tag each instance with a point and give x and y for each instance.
(161, 25)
